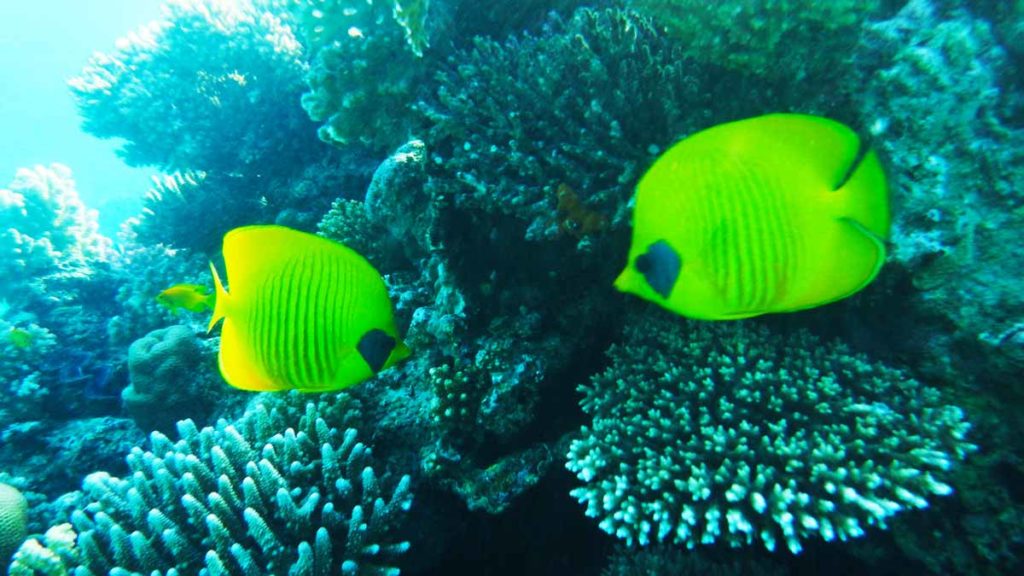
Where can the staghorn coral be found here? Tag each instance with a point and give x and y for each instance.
(205, 88)
(706, 433)
(256, 496)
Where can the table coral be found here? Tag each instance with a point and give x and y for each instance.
(726, 432)
(205, 88)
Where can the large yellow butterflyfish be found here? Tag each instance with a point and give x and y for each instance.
(771, 214)
(303, 313)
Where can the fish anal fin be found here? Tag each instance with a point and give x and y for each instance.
(858, 257)
(864, 198)
(235, 366)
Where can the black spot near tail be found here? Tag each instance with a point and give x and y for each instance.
(660, 266)
(375, 347)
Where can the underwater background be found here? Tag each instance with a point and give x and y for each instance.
(484, 158)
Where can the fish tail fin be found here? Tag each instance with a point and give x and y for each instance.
(219, 299)
(401, 352)
(866, 197)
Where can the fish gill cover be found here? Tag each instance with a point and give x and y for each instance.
(484, 161)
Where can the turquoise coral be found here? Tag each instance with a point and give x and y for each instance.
(203, 88)
(707, 433)
(362, 80)
(252, 497)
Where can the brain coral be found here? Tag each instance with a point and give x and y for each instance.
(13, 519)
(727, 432)
(166, 368)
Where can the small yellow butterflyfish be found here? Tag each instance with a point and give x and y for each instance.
(776, 213)
(20, 337)
(191, 297)
(303, 313)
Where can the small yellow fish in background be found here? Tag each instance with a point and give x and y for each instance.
(191, 297)
(776, 213)
(20, 338)
(303, 313)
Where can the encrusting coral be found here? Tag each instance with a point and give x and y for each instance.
(707, 432)
(938, 104)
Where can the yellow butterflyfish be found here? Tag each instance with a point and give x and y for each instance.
(776, 213)
(191, 297)
(20, 337)
(303, 313)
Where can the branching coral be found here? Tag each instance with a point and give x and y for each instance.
(253, 497)
(587, 104)
(193, 210)
(362, 79)
(727, 432)
(47, 235)
(784, 40)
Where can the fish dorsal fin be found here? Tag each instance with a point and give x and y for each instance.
(823, 147)
(251, 252)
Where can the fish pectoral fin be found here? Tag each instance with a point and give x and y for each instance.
(236, 365)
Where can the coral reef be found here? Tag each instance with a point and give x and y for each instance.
(255, 496)
(728, 432)
(13, 521)
(49, 237)
(172, 375)
(781, 40)
(484, 161)
(145, 271)
(953, 135)
(663, 559)
(587, 103)
(362, 79)
(173, 91)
